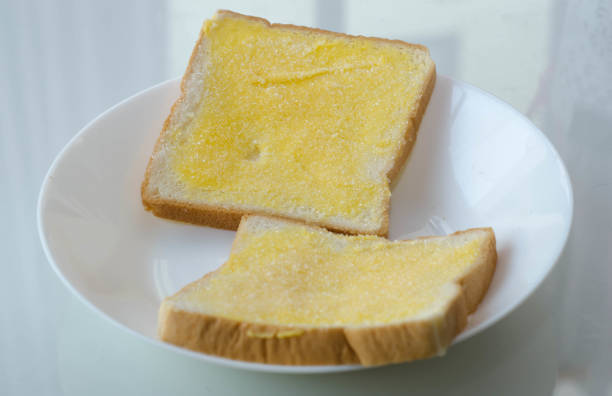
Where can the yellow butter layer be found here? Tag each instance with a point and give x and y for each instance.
(303, 276)
(291, 120)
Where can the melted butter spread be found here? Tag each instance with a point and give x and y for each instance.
(294, 120)
(303, 276)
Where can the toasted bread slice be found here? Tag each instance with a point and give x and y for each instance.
(288, 121)
(301, 295)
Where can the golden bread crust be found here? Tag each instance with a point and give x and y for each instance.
(224, 218)
(365, 345)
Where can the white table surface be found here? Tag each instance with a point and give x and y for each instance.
(64, 62)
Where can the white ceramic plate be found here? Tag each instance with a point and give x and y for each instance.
(477, 162)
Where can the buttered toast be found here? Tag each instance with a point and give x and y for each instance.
(288, 121)
(301, 295)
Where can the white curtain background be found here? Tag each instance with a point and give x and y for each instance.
(64, 62)
(574, 108)
(56, 58)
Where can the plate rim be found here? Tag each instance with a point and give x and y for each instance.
(570, 197)
(289, 369)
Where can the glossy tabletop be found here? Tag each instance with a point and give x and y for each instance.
(66, 62)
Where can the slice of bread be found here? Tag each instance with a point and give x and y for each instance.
(288, 121)
(301, 295)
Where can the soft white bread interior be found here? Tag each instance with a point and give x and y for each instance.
(288, 121)
(300, 295)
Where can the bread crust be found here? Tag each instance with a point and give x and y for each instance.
(413, 127)
(225, 218)
(365, 345)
